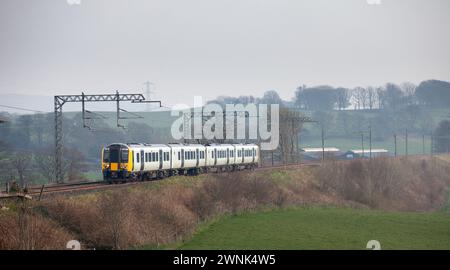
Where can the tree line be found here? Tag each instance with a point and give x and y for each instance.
(433, 93)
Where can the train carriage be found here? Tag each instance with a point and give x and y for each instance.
(137, 161)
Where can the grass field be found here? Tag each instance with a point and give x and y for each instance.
(415, 144)
(324, 228)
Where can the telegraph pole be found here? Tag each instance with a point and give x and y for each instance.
(362, 143)
(370, 142)
(323, 144)
(395, 144)
(423, 144)
(431, 144)
(406, 142)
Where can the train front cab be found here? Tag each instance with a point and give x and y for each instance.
(116, 163)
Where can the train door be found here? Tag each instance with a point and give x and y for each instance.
(132, 160)
(228, 156)
(253, 151)
(215, 156)
(197, 156)
(142, 160)
(242, 154)
(182, 158)
(160, 159)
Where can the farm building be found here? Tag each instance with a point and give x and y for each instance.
(366, 153)
(316, 153)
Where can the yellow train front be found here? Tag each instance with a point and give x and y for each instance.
(117, 163)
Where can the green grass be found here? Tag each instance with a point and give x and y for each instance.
(324, 228)
(415, 144)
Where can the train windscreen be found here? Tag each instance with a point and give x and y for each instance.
(106, 155)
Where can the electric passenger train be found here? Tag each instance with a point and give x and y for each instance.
(139, 162)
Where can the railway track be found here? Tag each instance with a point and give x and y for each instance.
(38, 191)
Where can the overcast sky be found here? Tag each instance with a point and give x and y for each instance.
(212, 47)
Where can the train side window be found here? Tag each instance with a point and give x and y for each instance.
(157, 157)
(137, 157)
(179, 156)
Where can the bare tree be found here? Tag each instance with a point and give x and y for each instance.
(359, 96)
(343, 98)
(115, 215)
(75, 165)
(290, 127)
(409, 89)
(45, 164)
(371, 97)
(381, 97)
(21, 161)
